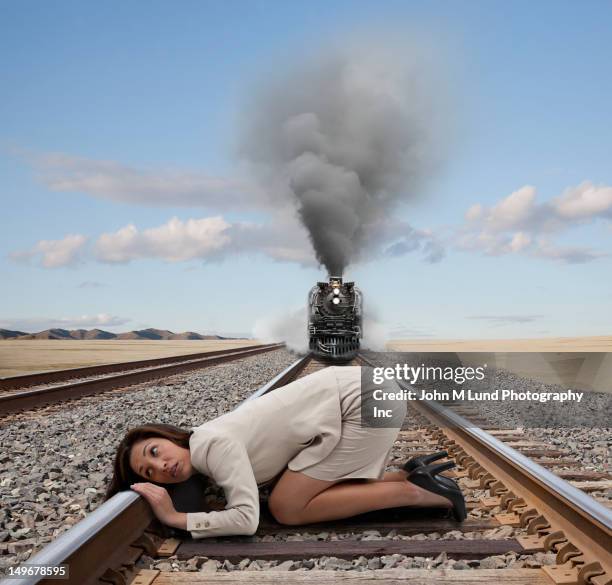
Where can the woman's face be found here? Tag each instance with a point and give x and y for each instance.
(160, 460)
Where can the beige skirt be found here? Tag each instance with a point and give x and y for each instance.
(362, 452)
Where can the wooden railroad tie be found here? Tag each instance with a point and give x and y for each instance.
(346, 549)
(368, 577)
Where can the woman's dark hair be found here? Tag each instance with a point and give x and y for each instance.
(123, 475)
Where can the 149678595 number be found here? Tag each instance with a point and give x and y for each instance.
(33, 570)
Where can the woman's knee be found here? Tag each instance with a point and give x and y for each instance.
(284, 512)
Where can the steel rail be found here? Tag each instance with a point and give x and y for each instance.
(98, 541)
(26, 399)
(51, 376)
(586, 523)
(587, 505)
(93, 544)
(283, 378)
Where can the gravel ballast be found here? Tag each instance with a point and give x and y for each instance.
(56, 463)
(68, 476)
(580, 428)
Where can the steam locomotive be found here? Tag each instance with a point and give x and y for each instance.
(335, 319)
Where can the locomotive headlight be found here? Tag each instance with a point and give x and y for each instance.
(336, 301)
(336, 291)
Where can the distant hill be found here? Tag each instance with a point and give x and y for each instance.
(91, 334)
(164, 334)
(146, 334)
(193, 335)
(99, 334)
(49, 334)
(142, 334)
(8, 334)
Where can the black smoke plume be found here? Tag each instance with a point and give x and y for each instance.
(345, 136)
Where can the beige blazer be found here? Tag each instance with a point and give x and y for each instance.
(295, 426)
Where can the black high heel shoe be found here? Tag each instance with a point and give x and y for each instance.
(428, 459)
(425, 477)
(415, 462)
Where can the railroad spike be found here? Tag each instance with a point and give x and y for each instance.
(603, 579)
(455, 451)
(486, 480)
(567, 552)
(553, 541)
(473, 469)
(538, 525)
(465, 460)
(527, 516)
(590, 574)
(507, 499)
(497, 488)
(517, 506)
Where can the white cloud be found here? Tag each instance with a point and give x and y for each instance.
(520, 240)
(212, 238)
(519, 224)
(83, 321)
(207, 239)
(474, 212)
(585, 201)
(174, 241)
(107, 179)
(394, 237)
(282, 238)
(568, 254)
(513, 210)
(54, 253)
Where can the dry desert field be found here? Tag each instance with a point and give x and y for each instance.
(572, 362)
(40, 355)
(602, 343)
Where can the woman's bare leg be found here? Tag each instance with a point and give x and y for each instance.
(300, 499)
(392, 476)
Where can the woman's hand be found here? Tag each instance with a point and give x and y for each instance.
(163, 508)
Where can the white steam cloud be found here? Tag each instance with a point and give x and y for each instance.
(288, 326)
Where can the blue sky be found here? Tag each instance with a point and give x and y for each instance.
(106, 107)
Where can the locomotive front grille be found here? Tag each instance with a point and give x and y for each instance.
(335, 347)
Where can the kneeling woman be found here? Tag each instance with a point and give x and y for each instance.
(306, 439)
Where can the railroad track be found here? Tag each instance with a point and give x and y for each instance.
(508, 495)
(35, 390)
